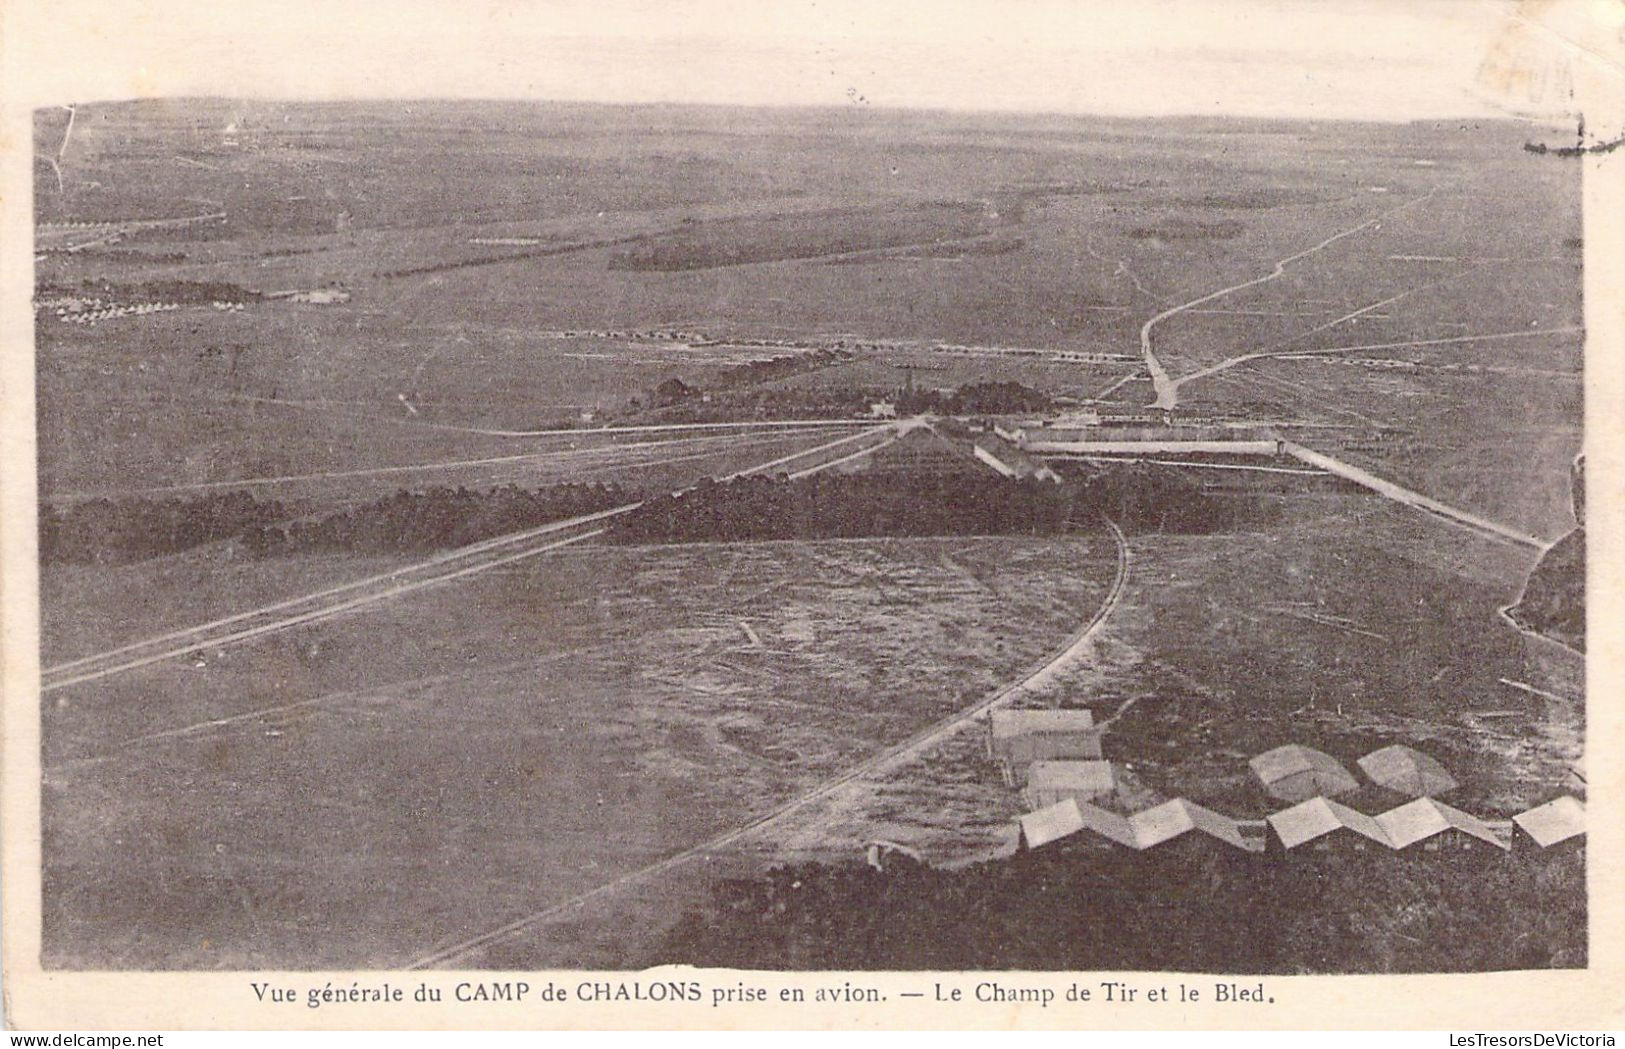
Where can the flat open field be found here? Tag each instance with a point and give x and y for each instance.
(1227, 645)
(383, 784)
(360, 792)
(89, 608)
(1221, 647)
(1064, 233)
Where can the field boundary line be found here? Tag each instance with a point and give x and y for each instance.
(906, 750)
(315, 615)
(1416, 500)
(1167, 387)
(540, 457)
(1280, 348)
(186, 639)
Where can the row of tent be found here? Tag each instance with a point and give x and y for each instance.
(1058, 752)
(1297, 773)
(1056, 756)
(109, 312)
(1320, 823)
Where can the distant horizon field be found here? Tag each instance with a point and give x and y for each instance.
(1108, 222)
(488, 747)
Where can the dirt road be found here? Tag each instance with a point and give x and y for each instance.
(452, 565)
(1036, 679)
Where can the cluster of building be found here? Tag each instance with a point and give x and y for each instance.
(80, 309)
(312, 296)
(1055, 757)
(1060, 356)
(103, 313)
(690, 338)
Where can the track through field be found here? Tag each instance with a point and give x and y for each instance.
(1037, 677)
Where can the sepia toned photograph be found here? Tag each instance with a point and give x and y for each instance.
(1130, 521)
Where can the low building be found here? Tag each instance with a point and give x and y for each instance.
(1297, 773)
(1146, 829)
(1432, 826)
(1049, 782)
(1117, 829)
(1023, 752)
(1006, 726)
(1560, 822)
(1171, 819)
(1406, 771)
(1069, 817)
(1049, 824)
(1322, 825)
(1009, 460)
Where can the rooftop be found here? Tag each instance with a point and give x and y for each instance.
(1316, 817)
(1295, 773)
(1556, 821)
(1051, 824)
(1408, 771)
(1424, 818)
(1072, 775)
(1005, 724)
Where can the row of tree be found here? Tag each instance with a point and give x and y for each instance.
(897, 503)
(977, 398)
(439, 518)
(1211, 909)
(114, 531)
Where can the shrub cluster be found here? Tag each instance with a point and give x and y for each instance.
(977, 398)
(435, 519)
(114, 531)
(1210, 909)
(924, 502)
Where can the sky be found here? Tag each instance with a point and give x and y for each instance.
(1356, 59)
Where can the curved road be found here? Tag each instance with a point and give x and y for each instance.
(1165, 385)
(1038, 677)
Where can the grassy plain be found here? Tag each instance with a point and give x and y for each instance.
(1098, 224)
(358, 792)
(428, 769)
(1227, 645)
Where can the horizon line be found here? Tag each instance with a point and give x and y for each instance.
(820, 106)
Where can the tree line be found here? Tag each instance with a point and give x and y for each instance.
(1108, 909)
(977, 398)
(116, 531)
(749, 373)
(829, 506)
(943, 502)
(734, 398)
(824, 506)
(439, 518)
(188, 292)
